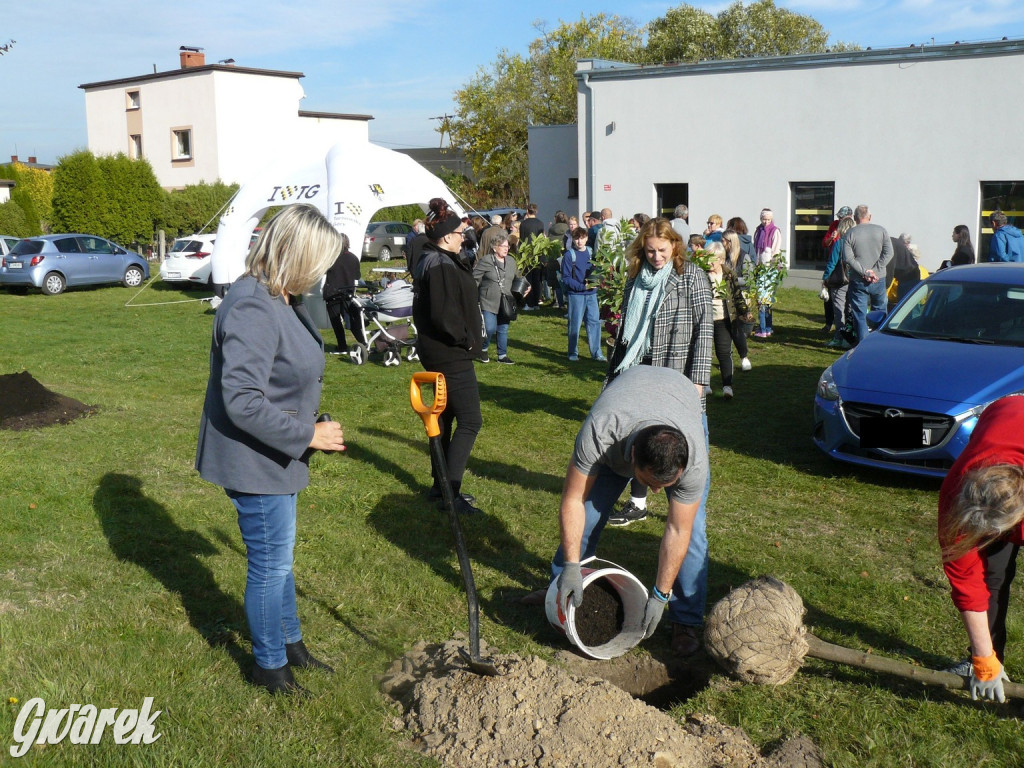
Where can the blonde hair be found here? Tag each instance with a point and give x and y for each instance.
(845, 225)
(715, 219)
(717, 251)
(990, 503)
(661, 228)
(732, 246)
(294, 250)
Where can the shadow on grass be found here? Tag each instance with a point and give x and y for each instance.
(492, 470)
(428, 538)
(140, 530)
(781, 431)
(531, 401)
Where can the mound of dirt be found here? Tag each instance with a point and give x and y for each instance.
(536, 714)
(27, 404)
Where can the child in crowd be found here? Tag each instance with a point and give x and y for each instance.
(576, 269)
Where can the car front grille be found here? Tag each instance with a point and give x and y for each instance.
(938, 424)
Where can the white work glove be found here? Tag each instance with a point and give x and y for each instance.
(987, 676)
(652, 615)
(570, 586)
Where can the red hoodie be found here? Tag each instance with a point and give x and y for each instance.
(998, 438)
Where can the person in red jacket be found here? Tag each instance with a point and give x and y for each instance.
(981, 528)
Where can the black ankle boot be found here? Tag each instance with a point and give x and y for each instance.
(276, 680)
(299, 656)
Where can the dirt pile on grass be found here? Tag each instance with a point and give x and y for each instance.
(536, 714)
(27, 404)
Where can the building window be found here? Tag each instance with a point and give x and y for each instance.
(813, 206)
(181, 148)
(1005, 196)
(133, 99)
(135, 146)
(574, 189)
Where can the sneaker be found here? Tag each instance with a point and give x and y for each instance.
(834, 343)
(601, 359)
(506, 360)
(760, 335)
(727, 393)
(745, 364)
(630, 513)
(964, 667)
(573, 358)
(483, 358)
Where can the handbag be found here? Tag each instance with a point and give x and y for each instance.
(838, 277)
(507, 309)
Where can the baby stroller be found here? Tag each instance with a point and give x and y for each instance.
(386, 324)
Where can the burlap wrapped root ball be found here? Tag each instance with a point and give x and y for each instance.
(756, 632)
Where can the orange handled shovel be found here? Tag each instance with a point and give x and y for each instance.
(429, 414)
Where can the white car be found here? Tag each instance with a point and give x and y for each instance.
(189, 260)
(7, 242)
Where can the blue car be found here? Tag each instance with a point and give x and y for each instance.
(908, 396)
(56, 262)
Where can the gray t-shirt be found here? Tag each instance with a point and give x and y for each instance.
(640, 397)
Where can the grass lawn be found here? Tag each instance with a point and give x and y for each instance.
(122, 572)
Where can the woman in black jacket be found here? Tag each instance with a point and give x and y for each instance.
(964, 253)
(449, 339)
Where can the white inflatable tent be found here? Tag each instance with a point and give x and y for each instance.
(349, 184)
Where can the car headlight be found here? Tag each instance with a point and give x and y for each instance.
(827, 389)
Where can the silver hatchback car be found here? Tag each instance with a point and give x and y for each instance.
(56, 262)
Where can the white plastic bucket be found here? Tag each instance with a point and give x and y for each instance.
(634, 602)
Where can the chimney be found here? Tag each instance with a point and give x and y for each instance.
(191, 57)
(31, 159)
(14, 158)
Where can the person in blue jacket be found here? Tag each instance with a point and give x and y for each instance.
(576, 268)
(1007, 242)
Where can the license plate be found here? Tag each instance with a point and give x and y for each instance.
(899, 434)
(174, 275)
(15, 265)
(399, 241)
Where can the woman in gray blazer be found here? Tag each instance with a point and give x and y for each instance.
(259, 424)
(494, 272)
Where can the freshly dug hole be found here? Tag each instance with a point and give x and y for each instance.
(536, 714)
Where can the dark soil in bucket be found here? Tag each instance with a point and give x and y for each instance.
(600, 616)
(27, 404)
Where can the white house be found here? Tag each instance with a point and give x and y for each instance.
(928, 137)
(205, 122)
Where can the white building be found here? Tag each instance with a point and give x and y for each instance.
(928, 137)
(205, 122)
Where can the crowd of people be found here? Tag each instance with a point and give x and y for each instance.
(648, 428)
(867, 269)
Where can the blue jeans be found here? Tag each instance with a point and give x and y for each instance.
(583, 308)
(690, 588)
(493, 327)
(267, 523)
(764, 316)
(860, 295)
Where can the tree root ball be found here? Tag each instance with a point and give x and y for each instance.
(756, 632)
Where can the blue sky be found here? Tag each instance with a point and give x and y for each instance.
(398, 60)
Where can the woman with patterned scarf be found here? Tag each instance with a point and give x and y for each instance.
(667, 321)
